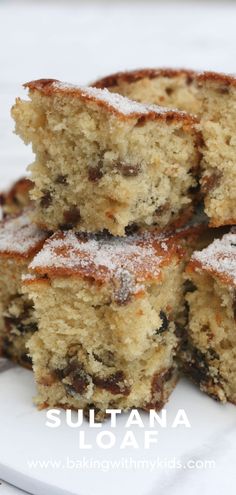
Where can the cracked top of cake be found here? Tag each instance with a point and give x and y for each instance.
(19, 237)
(138, 74)
(218, 259)
(132, 260)
(114, 103)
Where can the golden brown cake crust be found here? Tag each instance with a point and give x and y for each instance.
(217, 77)
(136, 75)
(50, 87)
(102, 259)
(191, 75)
(218, 259)
(19, 238)
(165, 245)
(22, 186)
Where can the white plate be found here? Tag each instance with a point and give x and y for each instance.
(24, 437)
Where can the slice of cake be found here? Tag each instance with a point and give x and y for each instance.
(209, 349)
(105, 162)
(106, 308)
(19, 242)
(212, 97)
(217, 93)
(174, 88)
(15, 199)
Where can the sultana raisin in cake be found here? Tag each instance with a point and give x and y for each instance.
(19, 241)
(212, 97)
(15, 199)
(209, 347)
(217, 93)
(106, 308)
(105, 162)
(174, 88)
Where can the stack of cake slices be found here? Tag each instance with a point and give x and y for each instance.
(109, 285)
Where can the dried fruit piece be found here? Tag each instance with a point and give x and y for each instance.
(115, 383)
(128, 169)
(72, 218)
(165, 323)
(46, 199)
(77, 380)
(210, 182)
(61, 179)
(95, 173)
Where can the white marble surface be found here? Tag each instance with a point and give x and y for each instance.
(80, 41)
(6, 489)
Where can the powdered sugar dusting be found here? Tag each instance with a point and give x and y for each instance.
(220, 256)
(19, 236)
(129, 260)
(164, 246)
(120, 103)
(28, 277)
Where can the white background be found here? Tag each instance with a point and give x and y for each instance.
(79, 41)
